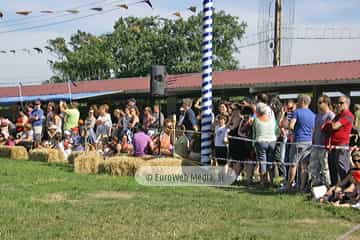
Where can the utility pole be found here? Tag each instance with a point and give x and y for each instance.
(277, 34)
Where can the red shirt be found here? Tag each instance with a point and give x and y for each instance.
(342, 135)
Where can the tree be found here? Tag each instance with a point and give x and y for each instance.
(138, 43)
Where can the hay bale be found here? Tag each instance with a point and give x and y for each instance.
(73, 155)
(15, 153)
(128, 165)
(19, 153)
(123, 165)
(90, 162)
(171, 162)
(5, 152)
(47, 155)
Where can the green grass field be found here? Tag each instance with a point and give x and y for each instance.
(42, 201)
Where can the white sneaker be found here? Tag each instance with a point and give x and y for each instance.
(356, 206)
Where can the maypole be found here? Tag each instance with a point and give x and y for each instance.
(207, 59)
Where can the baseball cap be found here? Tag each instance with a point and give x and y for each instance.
(37, 102)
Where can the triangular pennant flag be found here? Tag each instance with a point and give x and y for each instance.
(73, 11)
(39, 50)
(178, 14)
(47, 11)
(145, 1)
(25, 13)
(99, 9)
(49, 48)
(192, 9)
(123, 6)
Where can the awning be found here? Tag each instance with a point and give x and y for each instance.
(54, 97)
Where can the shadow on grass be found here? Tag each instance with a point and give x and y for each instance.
(62, 167)
(258, 189)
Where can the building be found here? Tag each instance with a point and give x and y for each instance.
(343, 77)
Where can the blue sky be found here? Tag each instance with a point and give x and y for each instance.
(34, 68)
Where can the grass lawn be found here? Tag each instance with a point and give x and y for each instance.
(42, 201)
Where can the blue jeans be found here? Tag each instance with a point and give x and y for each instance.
(265, 153)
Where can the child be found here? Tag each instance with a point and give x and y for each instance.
(67, 143)
(76, 140)
(221, 141)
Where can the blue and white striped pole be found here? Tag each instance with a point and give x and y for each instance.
(207, 59)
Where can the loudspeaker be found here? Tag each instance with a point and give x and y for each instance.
(158, 80)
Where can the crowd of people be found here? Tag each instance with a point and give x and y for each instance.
(259, 138)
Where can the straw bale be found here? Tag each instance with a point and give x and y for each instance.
(123, 165)
(89, 163)
(15, 153)
(73, 155)
(47, 155)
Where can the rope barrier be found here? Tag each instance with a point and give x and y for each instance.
(330, 147)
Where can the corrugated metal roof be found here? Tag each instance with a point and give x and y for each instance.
(318, 73)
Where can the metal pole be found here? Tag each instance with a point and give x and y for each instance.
(207, 59)
(277, 34)
(69, 88)
(20, 95)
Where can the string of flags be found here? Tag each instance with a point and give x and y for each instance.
(135, 28)
(76, 11)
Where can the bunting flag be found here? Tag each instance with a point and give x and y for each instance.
(73, 83)
(148, 2)
(39, 50)
(123, 6)
(72, 11)
(13, 51)
(178, 14)
(192, 9)
(2, 51)
(49, 48)
(47, 11)
(99, 9)
(25, 13)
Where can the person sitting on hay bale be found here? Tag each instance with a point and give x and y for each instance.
(143, 143)
(67, 143)
(52, 131)
(166, 143)
(124, 146)
(27, 137)
(347, 191)
(182, 144)
(77, 143)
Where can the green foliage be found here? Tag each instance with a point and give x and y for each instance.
(138, 43)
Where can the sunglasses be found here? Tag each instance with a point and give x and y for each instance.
(341, 103)
(356, 161)
(320, 102)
